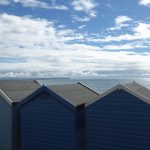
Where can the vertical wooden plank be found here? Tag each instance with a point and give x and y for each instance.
(119, 121)
(5, 125)
(47, 124)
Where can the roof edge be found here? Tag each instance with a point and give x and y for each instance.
(50, 92)
(6, 98)
(88, 88)
(36, 81)
(59, 96)
(119, 87)
(145, 99)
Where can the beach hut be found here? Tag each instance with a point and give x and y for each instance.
(53, 118)
(119, 119)
(12, 92)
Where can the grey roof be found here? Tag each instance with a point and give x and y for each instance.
(145, 92)
(17, 90)
(134, 88)
(75, 94)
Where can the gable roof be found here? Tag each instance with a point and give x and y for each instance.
(16, 90)
(76, 94)
(134, 88)
(139, 89)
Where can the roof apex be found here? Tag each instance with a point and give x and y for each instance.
(126, 88)
(50, 92)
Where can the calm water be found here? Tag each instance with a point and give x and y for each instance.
(99, 85)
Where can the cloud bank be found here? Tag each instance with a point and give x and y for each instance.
(34, 47)
(34, 4)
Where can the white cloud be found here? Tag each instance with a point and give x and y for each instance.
(93, 14)
(120, 22)
(86, 6)
(32, 47)
(145, 3)
(109, 38)
(83, 19)
(30, 32)
(34, 4)
(127, 46)
(4, 2)
(122, 19)
(140, 32)
(76, 63)
(82, 26)
(83, 5)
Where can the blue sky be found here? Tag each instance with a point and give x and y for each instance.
(75, 38)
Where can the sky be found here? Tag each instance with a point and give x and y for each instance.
(75, 38)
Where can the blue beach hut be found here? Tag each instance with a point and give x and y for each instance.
(11, 93)
(53, 118)
(119, 119)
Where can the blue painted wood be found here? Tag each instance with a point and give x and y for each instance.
(15, 127)
(119, 121)
(80, 127)
(47, 124)
(5, 125)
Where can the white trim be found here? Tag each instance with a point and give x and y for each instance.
(119, 87)
(38, 82)
(5, 97)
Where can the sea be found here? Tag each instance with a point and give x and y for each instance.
(99, 85)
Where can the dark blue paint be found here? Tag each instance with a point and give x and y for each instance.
(47, 124)
(15, 127)
(5, 125)
(80, 127)
(119, 121)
